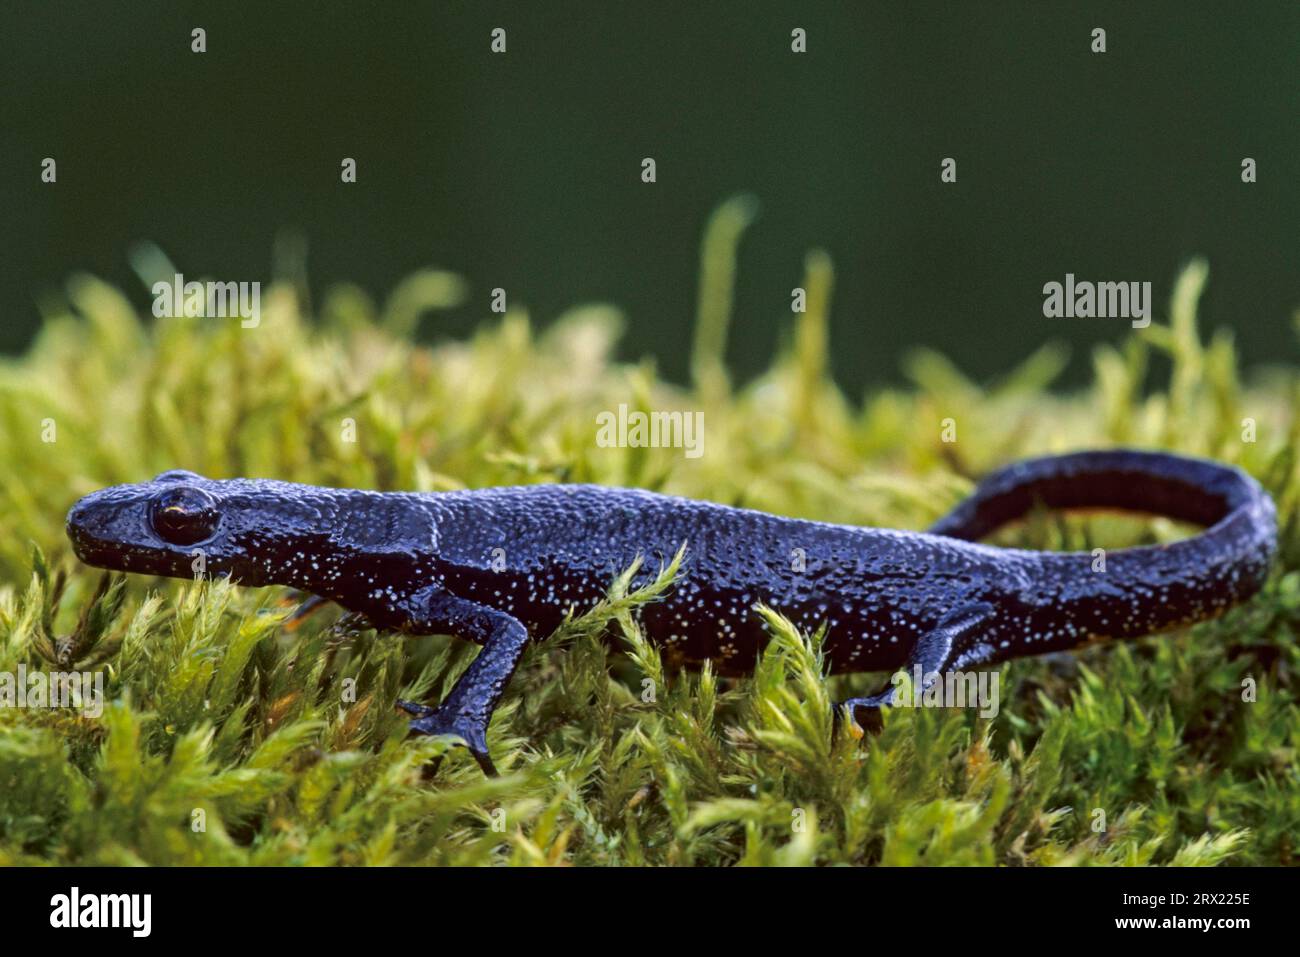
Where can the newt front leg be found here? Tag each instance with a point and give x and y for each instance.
(467, 710)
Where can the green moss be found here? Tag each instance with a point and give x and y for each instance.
(285, 743)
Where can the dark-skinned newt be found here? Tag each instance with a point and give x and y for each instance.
(499, 566)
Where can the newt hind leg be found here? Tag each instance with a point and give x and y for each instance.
(952, 644)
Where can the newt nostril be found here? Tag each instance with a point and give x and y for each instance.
(76, 517)
(79, 526)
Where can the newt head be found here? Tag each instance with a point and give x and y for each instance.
(182, 525)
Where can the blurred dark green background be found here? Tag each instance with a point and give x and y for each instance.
(522, 170)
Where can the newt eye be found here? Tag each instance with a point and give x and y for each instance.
(184, 515)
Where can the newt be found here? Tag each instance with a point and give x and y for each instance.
(502, 566)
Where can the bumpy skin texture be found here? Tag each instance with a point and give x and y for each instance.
(499, 565)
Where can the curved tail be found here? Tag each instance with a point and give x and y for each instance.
(1143, 589)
